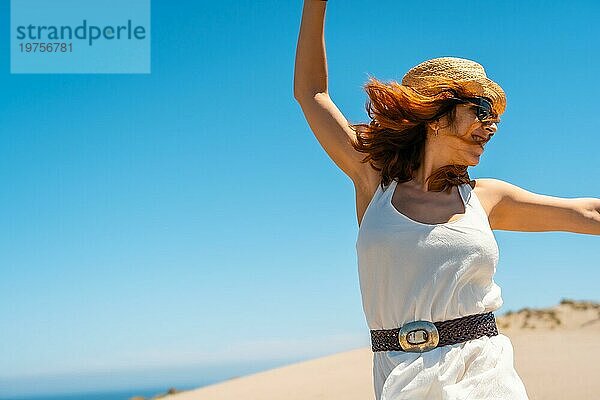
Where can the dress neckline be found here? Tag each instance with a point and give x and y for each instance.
(460, 192)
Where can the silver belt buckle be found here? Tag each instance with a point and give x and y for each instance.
(418, 336)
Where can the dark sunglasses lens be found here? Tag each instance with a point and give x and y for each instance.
(484, 109)
(483, 113)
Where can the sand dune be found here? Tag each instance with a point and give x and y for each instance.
(555, 354)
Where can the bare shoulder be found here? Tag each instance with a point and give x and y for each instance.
(365, 186)
(489, 193)
(499, 197)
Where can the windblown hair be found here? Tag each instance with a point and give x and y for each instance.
(394, 140)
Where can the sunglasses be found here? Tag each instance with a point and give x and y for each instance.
(483, 108)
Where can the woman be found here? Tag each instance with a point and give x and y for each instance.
(426, 251)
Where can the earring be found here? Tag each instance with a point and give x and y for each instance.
(436, 132)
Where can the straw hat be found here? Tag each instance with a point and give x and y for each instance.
(469, 73)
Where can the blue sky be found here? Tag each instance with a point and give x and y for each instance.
(185, 226)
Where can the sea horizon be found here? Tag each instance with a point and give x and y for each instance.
(145, 383)
(116, 394)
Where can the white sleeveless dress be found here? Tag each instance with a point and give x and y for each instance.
(411, 271)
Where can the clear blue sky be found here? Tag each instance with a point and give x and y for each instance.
(186, 226)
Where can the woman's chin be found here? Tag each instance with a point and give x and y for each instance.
(474, 161)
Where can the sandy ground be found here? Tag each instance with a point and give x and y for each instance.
(556, 350)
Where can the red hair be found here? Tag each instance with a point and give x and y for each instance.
(394, 140)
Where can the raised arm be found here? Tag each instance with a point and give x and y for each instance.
(310, 72)
(328, 124)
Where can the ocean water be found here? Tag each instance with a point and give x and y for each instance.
(150, 382)
(114, 395)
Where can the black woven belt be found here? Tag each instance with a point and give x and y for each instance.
(420, 336)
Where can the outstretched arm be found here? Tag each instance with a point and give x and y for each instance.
(516, 209)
